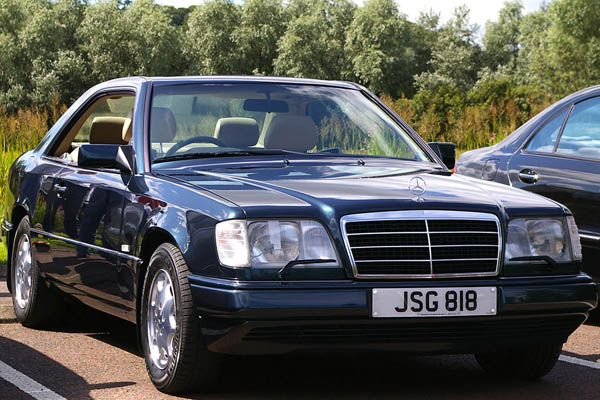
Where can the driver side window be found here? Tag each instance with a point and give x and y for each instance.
(108, 120)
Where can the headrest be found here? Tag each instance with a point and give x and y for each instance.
(127, 125)
(291, 132)
(107, 130)
(163, 127)
(237, 132)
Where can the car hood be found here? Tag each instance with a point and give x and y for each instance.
(298, 189)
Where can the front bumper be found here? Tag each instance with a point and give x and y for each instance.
(284, 317)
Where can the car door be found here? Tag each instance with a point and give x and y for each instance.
(82, 220)
(562, 161)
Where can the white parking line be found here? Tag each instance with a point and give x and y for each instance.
(26, 384)
(579, 361)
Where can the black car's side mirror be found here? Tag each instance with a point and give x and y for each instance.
(110, 156)
(446, 151)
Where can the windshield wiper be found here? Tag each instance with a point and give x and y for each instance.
(237, 153)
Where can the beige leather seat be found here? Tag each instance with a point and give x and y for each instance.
(127, 127)
(237, 132)
(291, 132)
(109, 130)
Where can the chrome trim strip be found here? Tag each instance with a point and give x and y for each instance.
(91, 246)
(422, 215)
(589, 237)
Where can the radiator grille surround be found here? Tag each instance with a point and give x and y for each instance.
(423, 244)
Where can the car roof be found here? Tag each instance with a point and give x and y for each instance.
(229, 78)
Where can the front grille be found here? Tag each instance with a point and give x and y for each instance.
(423, 244)
(480, 329)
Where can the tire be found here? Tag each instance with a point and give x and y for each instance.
(35, 304)
(525, 363)
(176, 358)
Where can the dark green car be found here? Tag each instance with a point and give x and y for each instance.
(237, 215)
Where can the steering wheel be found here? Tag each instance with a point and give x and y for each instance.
(195, 139)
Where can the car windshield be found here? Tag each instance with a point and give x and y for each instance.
(231, 119)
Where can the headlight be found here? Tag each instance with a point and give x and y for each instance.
(272, 244)
(232, 243)
(542, 237)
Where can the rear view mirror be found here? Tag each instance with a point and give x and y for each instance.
(277, 106)
(110, 156)
(446, 151)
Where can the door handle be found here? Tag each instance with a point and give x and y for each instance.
(528, 176)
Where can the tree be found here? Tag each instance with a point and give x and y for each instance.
(154, 41)
(560, 46)
(138, 40)
(34, 36)
(313, 44)
(208, 42)
(379, 44)
(501, 38)
(455, 58)
(178, 15)
(262, 24)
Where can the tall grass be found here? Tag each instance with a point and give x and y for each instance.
(473, 126)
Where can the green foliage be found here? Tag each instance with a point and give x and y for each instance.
(138, 40)
(439, 76)
(501, 38)
(560, 46)
(379, 44)
(313, 44)
(262, 24)
(208, 40)
(455, 58)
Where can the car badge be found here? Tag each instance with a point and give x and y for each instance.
(417, 187)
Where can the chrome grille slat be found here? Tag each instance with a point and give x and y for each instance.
(451, 252)
(433, 245)
(417, 233)
(428, 260)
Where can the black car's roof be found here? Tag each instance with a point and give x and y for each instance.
(226, 78)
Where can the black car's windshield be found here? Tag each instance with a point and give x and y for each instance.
(245, 119)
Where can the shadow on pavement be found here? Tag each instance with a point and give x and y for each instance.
(45, 371)
(79, 318)
(366, 376)
(358, 375)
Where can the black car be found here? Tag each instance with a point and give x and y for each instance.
(555, 154)
(237, 215)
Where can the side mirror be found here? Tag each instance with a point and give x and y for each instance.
(110, 156)
(446, 151)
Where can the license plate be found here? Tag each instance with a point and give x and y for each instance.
(434, 302)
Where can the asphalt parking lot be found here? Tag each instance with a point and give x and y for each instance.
(91, 356)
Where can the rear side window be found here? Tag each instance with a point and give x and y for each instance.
(545, 139)
(581, 135)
